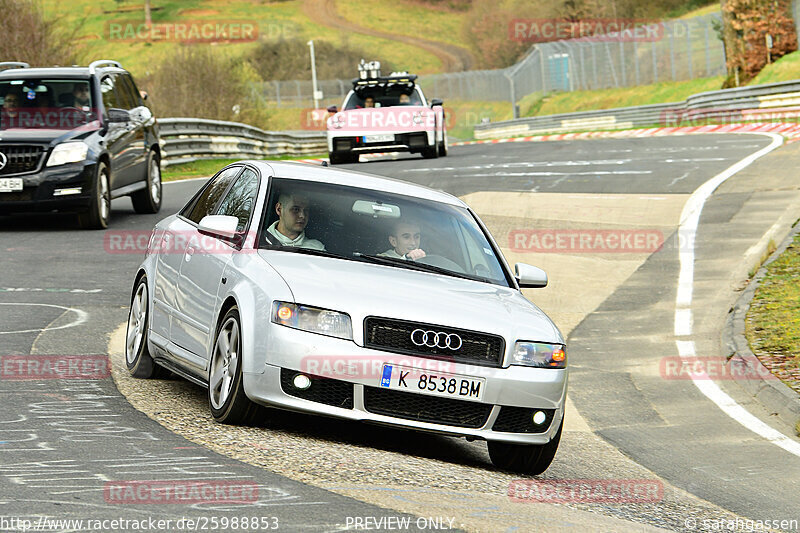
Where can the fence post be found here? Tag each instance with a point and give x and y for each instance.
(689, 51)
(278, 92)
(708, 52)
(594, 66)
(622, 61)
(672, 50)
(636, 60)
(655, 59)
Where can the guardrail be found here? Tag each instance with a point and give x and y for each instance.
(189, 139)
(759, 102)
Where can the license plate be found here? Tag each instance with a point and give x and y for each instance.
(434, 383)
(10, 184)
(378, 138)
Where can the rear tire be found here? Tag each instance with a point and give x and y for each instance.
(148, 200)
(443, 145)
(522, 458)
(99, 212)
(137, 357)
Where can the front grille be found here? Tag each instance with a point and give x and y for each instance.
(322, 390)
(520, 420)
(21, 158)
(422, 408)
(395, 336)
(16, 196)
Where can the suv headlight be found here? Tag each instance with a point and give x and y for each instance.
(313, 319)
(71, 152)
(539, 355)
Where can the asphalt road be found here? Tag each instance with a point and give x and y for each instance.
(61, 292)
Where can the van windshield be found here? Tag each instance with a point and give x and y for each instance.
(46, 104)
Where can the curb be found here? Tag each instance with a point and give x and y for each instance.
(773, 394)
(790, 130)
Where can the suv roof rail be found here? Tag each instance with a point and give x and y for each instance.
(13, 64)
(94, 65)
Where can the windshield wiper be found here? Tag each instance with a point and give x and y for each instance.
(413, 265)
(300, 250)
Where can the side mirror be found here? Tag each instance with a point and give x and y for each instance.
(529, 276)
(333, 109)
(143, 94)
(436, 101)
(219, 225)
(120, 116)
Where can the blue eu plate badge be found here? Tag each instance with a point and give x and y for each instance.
(386, 379)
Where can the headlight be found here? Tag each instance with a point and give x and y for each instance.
(539, 355)
(313, 319)
(71, 152)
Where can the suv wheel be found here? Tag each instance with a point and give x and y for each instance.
(431, 152)
(443, 146)
(148, 200)
(96, 217)
(522, 458)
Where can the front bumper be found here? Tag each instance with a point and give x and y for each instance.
(39, 189)
(349, 367)
(401, 142)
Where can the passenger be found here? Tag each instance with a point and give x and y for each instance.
(405, 99)
(369, 101)
(289, 229)
(404, 240)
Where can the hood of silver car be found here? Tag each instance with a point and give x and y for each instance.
(364, 289)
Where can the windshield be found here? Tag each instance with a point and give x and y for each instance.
(378, 227)
(382, 96)
(45, 104)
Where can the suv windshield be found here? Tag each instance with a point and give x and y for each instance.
(378, 227)
(380, 96)
(45, 104)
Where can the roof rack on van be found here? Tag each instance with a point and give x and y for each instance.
(13, 64)
(94, 65)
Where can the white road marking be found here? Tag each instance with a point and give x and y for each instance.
(683, 325)
(81, 317)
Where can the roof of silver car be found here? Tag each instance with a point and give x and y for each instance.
(351, 178)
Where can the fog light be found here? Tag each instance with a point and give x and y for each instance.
(303, 382)
(67, 192)
(538, 417)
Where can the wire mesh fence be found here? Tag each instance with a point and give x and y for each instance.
(674, 50)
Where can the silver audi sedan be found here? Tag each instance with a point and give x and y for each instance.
(353, 296)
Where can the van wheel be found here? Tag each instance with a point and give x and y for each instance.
(99, 212)
(148, 200)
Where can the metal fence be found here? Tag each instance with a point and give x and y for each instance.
(189, 139)
(670, 51)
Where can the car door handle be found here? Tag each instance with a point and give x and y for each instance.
(189, 253)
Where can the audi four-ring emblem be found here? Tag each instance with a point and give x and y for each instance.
(436, 339)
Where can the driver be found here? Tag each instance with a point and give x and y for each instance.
(289, 229)
(404, 240)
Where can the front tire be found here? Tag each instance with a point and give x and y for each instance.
(226, 398)
(443, 145)
(137, 357)
(99, 212)
(148, 200)
(523, 458)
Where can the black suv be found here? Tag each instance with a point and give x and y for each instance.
(73, 138)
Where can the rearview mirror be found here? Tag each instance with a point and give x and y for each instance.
(219, 225)
(529, 276)
(376, 209)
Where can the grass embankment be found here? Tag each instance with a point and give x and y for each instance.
(401, 17)
(279, 20)
(773, 320)
(208, 167)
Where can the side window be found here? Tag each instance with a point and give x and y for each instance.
(209, 198)
(240, 199)
(131, 96)
(107, 90)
